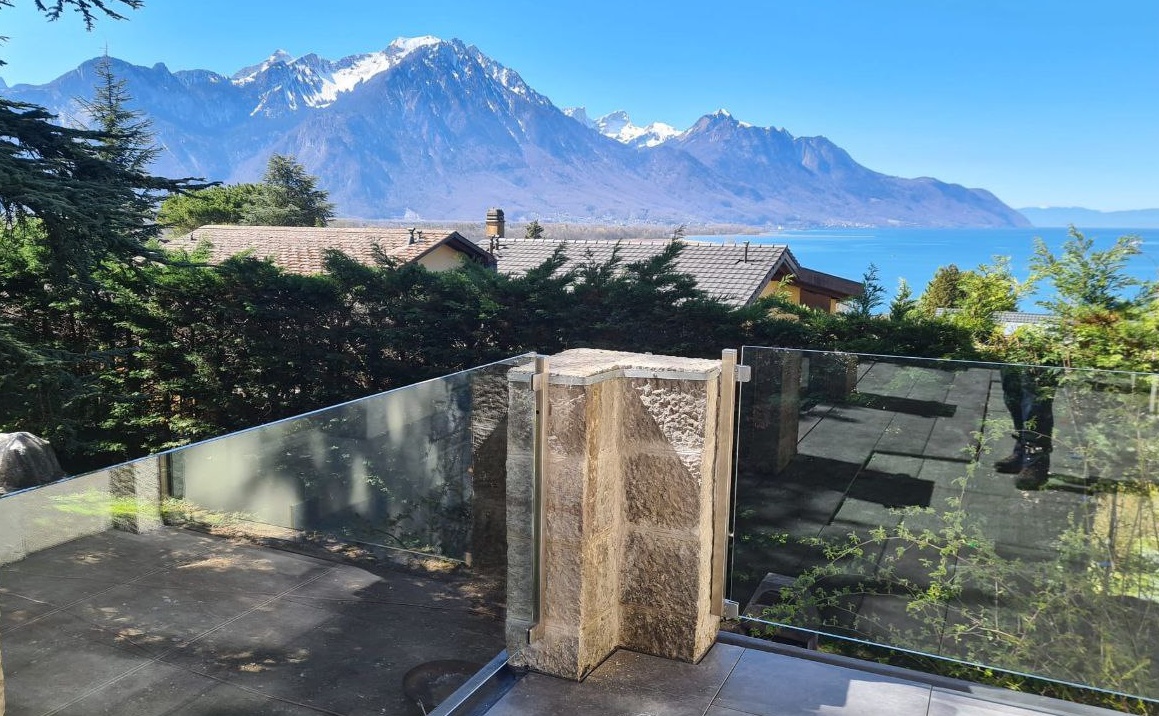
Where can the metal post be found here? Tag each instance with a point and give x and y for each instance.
(539, 382)
(725, 430)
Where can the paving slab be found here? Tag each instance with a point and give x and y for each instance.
(700, 681)
(203, 625)
(155, 689)
(774, 685)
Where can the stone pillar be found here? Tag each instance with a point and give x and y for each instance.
(832, 376)
(771, 404)
(628, 511)
(136, 491)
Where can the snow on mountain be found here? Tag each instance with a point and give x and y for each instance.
(580, 114)
(311, 81)
(618, 126)
(438, 129)
(247, 74)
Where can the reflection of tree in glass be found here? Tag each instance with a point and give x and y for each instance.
(1086, 614)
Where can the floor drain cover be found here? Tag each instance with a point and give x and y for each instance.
(429, 684)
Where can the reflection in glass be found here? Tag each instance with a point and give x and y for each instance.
(895, 501)
(419, 468)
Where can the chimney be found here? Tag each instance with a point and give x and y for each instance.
(496, 226)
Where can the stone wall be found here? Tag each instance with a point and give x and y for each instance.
(770, 410)
(628, 511)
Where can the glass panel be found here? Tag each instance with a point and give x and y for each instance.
(418, 468)
(99, 591)
(992, 514)
(42, 517)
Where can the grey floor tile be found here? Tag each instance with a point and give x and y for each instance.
(154, 690)
(775, 685)
(722, 711)
(58, 659)
(258, 640)
(240, 568)
(227, 700)
(161, 619)
(112, 555)
(376, 651)
(539, 695)
(24, 603)
(943, 703)
(631, 670)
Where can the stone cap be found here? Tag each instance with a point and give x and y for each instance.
(586, 366)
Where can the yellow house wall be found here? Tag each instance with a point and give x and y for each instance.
(443, 258)
(793, 293)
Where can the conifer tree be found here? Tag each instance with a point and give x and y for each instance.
(943, 291)
(128, 139)
(289, 196)
(903, 304)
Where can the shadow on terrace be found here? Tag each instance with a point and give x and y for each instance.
(869, 508)
(351, 560)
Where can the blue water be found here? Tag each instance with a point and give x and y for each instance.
(915, 254)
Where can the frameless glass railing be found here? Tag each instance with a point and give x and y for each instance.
(419, 468)
(998, 515)
(353, 558)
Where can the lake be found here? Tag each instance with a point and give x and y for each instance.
(915, 254)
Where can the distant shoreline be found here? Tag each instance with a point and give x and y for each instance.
(570, 230)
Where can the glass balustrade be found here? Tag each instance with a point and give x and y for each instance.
(353, 559)
(998, 515)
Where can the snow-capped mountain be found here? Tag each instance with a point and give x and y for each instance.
(617, 125)
(436, 129)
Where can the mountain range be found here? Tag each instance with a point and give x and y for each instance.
(435, 129)
(1092, 218)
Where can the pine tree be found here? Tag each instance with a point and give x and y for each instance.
(903, 304)
(534, 230)
(943, 291)
(872, 293)
(90, 208)
(288, 196)
(128, 139)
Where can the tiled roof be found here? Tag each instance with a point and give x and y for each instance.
(299, 249)
(735, 273)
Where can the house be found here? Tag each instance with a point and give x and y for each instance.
(301, 249)
(736, 273)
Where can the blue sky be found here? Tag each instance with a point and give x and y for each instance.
(1044, 102)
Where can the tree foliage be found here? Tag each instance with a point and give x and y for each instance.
(1103, 318)
(90, 206)
(903, 304)
(534, 230)
(943, 291)
(226, 204)
(127, 135)
(89, 10)
(984, 291)
(288, 196)
(872, 294)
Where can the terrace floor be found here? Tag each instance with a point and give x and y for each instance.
(185, 624)
(182, 623)
(912, 448)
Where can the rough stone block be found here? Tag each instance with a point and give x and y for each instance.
(628, 499)
(664, 634)
(660, 491)
(661, 571)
